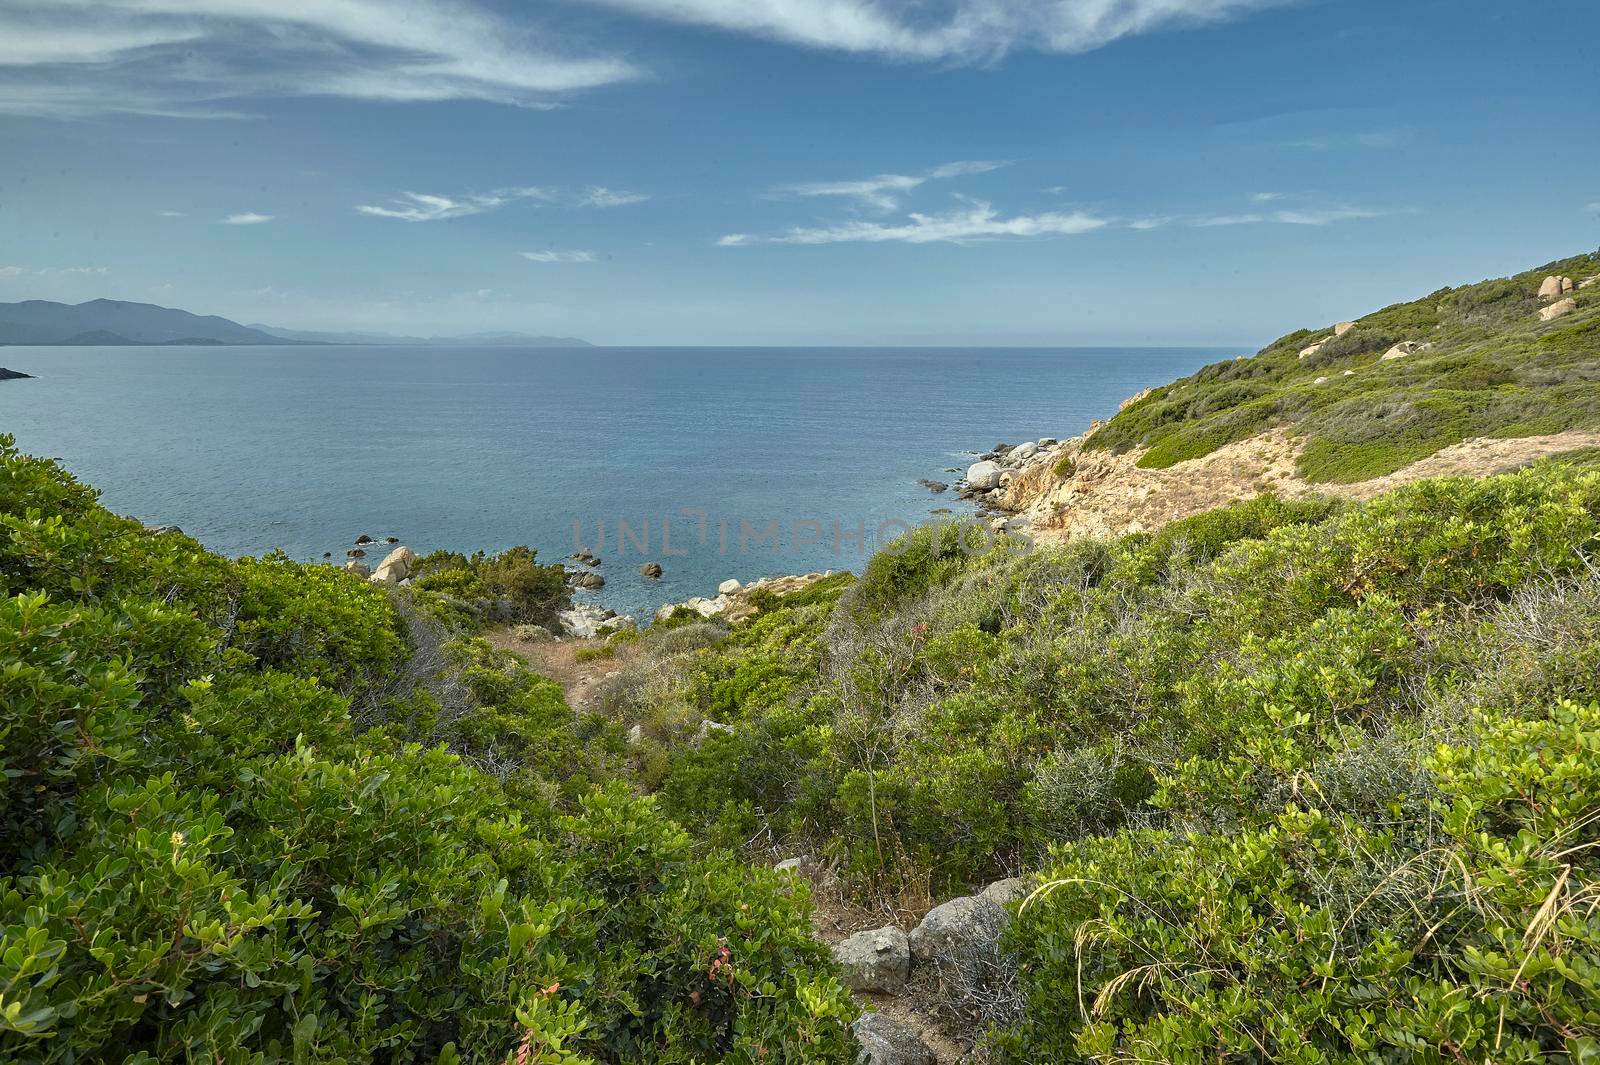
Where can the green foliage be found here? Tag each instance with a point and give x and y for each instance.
(205, 854)
(926, 556)
(1187, 678)
(1491, 368)
(1469, 936)
(510, 586)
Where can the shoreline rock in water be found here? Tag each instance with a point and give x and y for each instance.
(734, 601)
(14, 375)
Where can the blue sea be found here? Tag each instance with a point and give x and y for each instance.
(302, 449)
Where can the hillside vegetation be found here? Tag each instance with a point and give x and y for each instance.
(1295, 782)
(251, 812)
(1489, 367)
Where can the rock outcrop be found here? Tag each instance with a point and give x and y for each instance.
(1342, 328)
(395, 567)
(651, 570)
(735, 601)
(1102, 494)
(1556, 310)
(1402, 349)
(586, 620)
(1555, 287)
(1124, 405)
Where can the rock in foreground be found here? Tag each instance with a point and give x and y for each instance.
(888, 1042)
(877, 960)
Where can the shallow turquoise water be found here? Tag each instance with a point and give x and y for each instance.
(303, 449)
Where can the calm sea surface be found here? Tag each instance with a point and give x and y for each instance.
(303, 449)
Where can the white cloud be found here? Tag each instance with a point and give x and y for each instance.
(600, 196)
(1343, 142)
(9, 272)
(246, 218)
(172, 214)
(558, 256)
(1266, 197)
(884, 191)
(426, 207)
(1304, 216)
(955, 29)
(68, 58)
(977, 222)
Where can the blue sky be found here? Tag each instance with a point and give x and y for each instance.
(792, 171)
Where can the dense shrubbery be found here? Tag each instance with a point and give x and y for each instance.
(1467, 932)
(205, 854)
(1493, 370)
(510, 586)
(1268, 757)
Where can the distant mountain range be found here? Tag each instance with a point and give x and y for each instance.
(112, 323)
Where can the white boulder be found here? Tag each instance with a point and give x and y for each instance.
(1556, 310)
(729, 587)
(1554, 287)
(1342, 328)
(395, 567)
(983, 475)
(1023, 452)
(1401, 350)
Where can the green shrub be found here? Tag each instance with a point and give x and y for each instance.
(1471, 937)
(510, 586)
(205, 855)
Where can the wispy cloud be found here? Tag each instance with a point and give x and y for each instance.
(1341, 142)
(976, 222)
(10, 272)
(172, 214)
(600, 196)
(1266, 197)
(69, 58)
(246, 218)
(969, 30)
(884, 192)
(427, 207)
(558, 256)
(1304, 216)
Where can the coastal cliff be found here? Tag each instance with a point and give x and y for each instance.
(1467, 381)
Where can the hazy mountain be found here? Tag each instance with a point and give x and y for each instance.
(484, 340)
(112, 322)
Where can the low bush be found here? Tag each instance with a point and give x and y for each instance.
(510, 586)
(205, 855)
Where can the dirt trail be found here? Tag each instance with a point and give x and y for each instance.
(558, 660)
